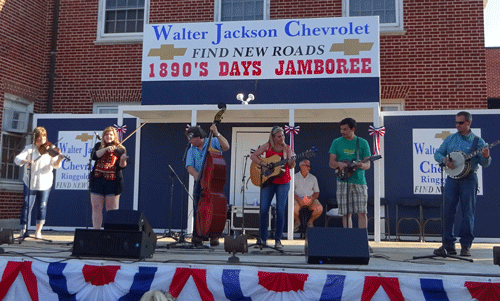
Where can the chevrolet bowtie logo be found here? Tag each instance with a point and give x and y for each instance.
(351, 47)
(167, 52)
(443, 135)
(84, 137)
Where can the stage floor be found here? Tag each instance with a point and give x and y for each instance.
(388, 256)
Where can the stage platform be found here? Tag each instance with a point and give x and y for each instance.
(207, 274)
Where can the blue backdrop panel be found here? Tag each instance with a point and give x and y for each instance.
(399, 164)
(164, 144)
(71, 208)
(341, 90)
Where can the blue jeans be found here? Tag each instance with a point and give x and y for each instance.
(460, 191)
(35, 196)
(268, 192)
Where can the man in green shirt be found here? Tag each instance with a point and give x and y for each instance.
(352, 194)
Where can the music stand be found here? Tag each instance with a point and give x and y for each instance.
(259, 244)
(445, 253)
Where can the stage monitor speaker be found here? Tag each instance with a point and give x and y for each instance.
(126, 220)
(113, 243)
(126, 234)
(496, 255)
(337, 246)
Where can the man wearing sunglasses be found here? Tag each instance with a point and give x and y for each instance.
(306, 194)
(461, 190)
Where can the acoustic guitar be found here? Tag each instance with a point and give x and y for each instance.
(275, 167)
(347, 173)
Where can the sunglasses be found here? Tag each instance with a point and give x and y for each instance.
(460, 122)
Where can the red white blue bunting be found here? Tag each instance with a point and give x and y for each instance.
(26, 280)
(292, 131)
(120, 129)
(376, 133)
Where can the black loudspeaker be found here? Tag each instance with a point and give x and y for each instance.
(337, 246)
(126, 234)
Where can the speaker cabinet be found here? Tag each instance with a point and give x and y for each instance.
(337, 246)
(126, 234)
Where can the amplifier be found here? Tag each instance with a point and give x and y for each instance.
(252, 218)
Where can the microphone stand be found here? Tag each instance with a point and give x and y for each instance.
(180, 238)
(238, 243)
(260, 244)
(89, 169)
(445, 253)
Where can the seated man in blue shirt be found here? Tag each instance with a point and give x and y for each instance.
(462, 189)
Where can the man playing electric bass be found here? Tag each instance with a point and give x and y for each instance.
(352, 191)
(461, 190)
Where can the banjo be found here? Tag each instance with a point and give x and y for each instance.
(461, 161)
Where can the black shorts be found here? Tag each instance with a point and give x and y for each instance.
(101, 186)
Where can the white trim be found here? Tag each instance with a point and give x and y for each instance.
(291, 191)
(441, 112)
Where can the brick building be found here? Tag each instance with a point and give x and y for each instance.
(84, 57)
(493, 77)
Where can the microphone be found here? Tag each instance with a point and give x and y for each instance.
(97, 136)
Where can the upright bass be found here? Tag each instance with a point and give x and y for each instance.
(211, 212)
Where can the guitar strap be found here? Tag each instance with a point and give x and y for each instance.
(357, 148)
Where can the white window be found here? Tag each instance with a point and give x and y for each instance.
(109, 107)
(121, 21)
(390, 12)
(16, 130)
(241, 10)
(392, 105)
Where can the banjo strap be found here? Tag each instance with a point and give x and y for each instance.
(474, 144)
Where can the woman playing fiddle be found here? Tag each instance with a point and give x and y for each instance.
(106, 179)
(38, 178)
(279, 186)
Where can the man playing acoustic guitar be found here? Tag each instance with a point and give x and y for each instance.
(461, 189)
(346, 150)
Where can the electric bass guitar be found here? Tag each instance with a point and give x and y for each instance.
(275, 165)
(347, 172)
(461, 161)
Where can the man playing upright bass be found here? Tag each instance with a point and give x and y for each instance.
(195, 156)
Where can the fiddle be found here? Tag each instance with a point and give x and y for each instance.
(51, 149)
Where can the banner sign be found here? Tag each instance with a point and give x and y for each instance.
(268, 49)
(74, 174)
(426, 171)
